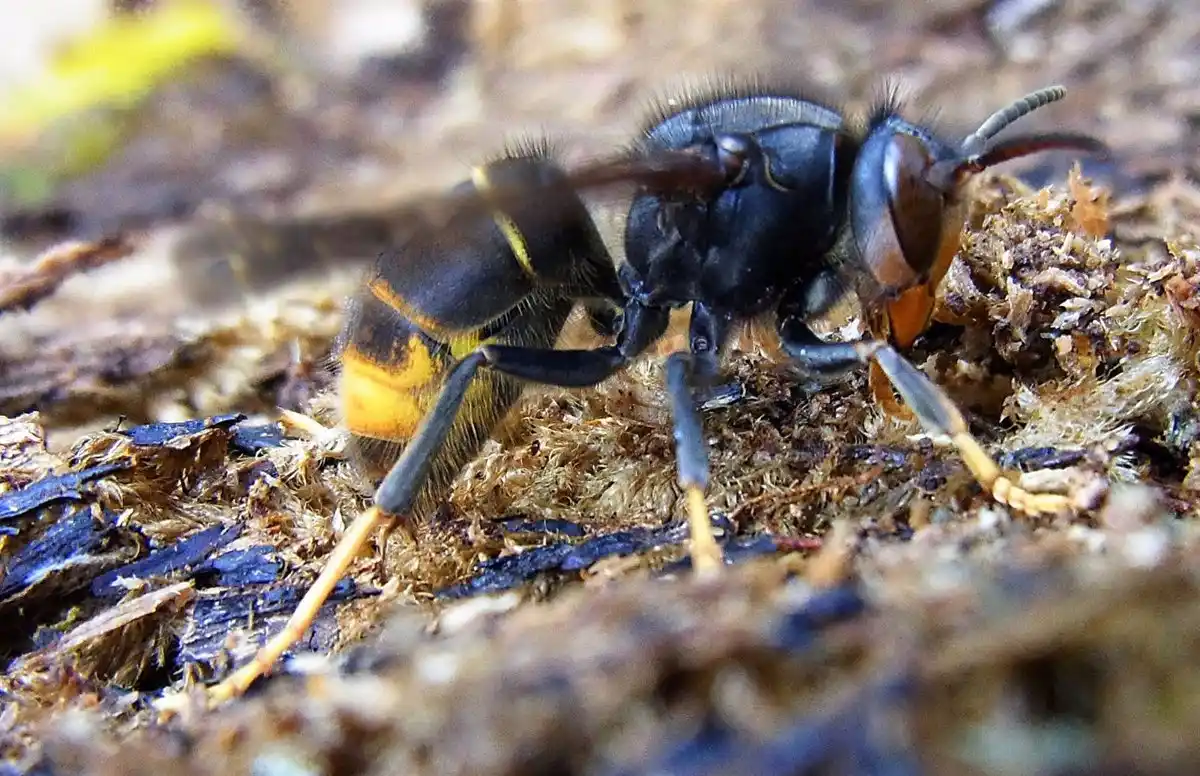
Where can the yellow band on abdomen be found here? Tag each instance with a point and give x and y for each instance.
(512, 235)
(387, 401)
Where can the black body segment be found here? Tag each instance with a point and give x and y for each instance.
(509, 279)
(767, 229)
(472, 270)
(392, 372)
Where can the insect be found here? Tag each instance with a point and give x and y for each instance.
(746, 205)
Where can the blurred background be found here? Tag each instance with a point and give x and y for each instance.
(247, 142)
(122, 114)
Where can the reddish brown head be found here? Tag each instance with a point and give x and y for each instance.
(906, 210)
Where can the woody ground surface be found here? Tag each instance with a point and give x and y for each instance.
(879, 614)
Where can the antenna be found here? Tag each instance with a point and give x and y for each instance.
(998, 121)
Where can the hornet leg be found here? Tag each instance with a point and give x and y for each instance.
(690, 381)
(691, 460)
(400, 488)
(576, 368)
(933, 408)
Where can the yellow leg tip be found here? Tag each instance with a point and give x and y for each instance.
(1002, 489)
(306, 611)
(707, 558)
(236, 684)
(941, 416)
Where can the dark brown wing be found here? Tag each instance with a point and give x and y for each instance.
(660, 171)
(222, 259)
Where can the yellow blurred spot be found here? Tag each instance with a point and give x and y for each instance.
(117, 63)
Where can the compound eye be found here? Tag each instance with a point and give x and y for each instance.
(917, 209)
(733, 154)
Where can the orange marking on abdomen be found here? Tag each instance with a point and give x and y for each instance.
(381, 290)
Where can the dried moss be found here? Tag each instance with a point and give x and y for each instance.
(788, 459)
(161, 365)
(1067, 326)
(728, 675)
